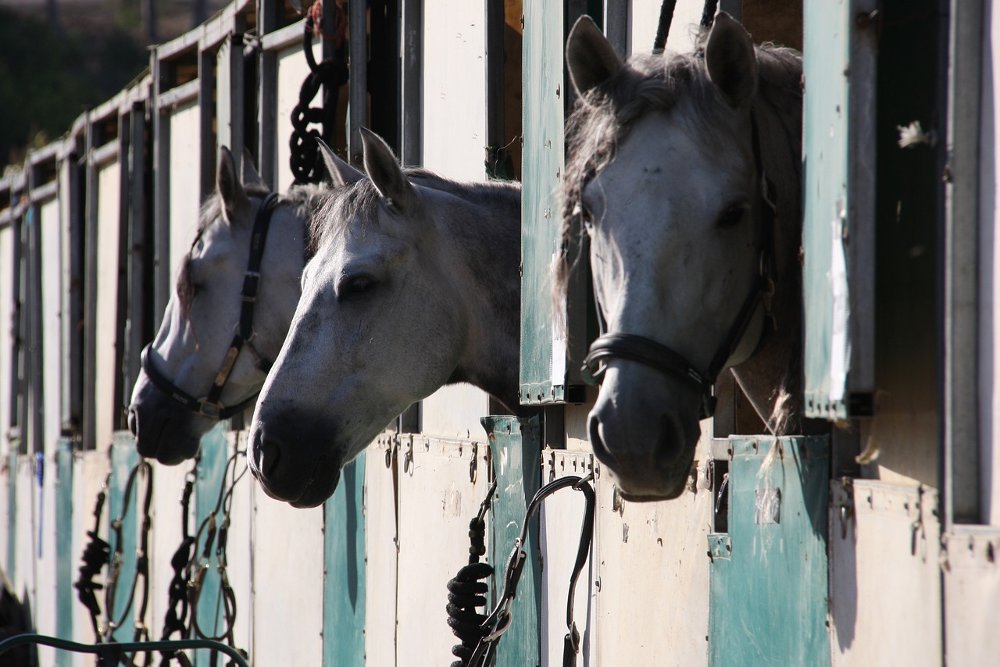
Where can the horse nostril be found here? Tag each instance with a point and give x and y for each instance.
(601, 450)
(133, 422)
(266, 454)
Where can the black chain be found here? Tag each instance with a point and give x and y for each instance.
(331, 74)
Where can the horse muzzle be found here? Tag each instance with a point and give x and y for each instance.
(644, 438)
(163, 430)
(287, 464)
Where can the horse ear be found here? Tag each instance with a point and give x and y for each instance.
(731, 61)
(341, 174)
(589, 55)
(250, 175)
(234, 197)
(384, 171)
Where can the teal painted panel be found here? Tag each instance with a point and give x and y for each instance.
(345, 571)
(838, 234)
(516, 447)
(124, 457)
(11, 568)
(211, 471)
(542, 368)
(768, 575)
(65, 567)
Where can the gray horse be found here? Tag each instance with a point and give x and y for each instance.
(685, 173)
(415, 284)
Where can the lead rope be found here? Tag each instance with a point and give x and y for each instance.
(95, 556)
(331, 74)
(467, 591)
(141, 632)
(177, 617)
(217, 534)
(492, 628)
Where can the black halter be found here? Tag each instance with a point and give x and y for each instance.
(656, 355)
(210, 406)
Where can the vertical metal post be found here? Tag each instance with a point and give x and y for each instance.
(616, 22)
(90, 295)
(34, 437)
(411, 132)
(961, 441)
(138, 330)
(494, 74)
(161, 192)
(206, 116)
(268, 97)
(358, 109)
(123, 383)
(72, 293)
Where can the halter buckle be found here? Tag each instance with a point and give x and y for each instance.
(209, 409)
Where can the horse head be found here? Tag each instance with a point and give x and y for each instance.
(222, 323)
(671, 161)
(400, 299)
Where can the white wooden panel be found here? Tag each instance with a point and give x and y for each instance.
(884, 575)
(972, 596)
(165, 537)
(381, 553)
(436, 502)
(645, 17)
(454, 411)
(292, 71)
(6, 312)
(90, 470)
(185, 179)
(6, 478)
(288, 583)
(561, 521)
(655, 553)
(46, 553)
(240, 552)
(52, 375)
(454, 79)
(108, 190)
(25, 570)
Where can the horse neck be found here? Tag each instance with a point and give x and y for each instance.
(483, 228)
(772, 378)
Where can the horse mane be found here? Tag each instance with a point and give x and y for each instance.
(337, 208)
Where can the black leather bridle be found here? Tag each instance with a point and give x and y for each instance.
(647, 351)
(210, 406)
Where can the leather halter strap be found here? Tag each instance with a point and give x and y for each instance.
(651, 353)
(210, 405)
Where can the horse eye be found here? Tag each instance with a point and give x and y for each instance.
(732, 216)
(354, 286)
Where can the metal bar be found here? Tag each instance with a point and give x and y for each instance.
(290, 35)
(42, 193)
(267, 100)
(90, 298)
(178, 95)
(122, 385)
(136, 329)
(100, 156)
(960, 458)
(111, 651)
(34, 377)
(616, 22)
(206, 116)
(161, 194)
(358, 109)
(494, 74)
(73, 295)
(411, 132)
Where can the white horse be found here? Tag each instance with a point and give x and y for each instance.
(414, 285)
(685, 173)
(205, 364)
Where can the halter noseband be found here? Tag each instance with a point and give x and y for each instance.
(660, 357)
(210, 406)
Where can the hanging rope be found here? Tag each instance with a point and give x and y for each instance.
(487, 632)
(331, 74)
(114, 622)
(176, 619)
(95, 557)
(467, 591)
(216, 534)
